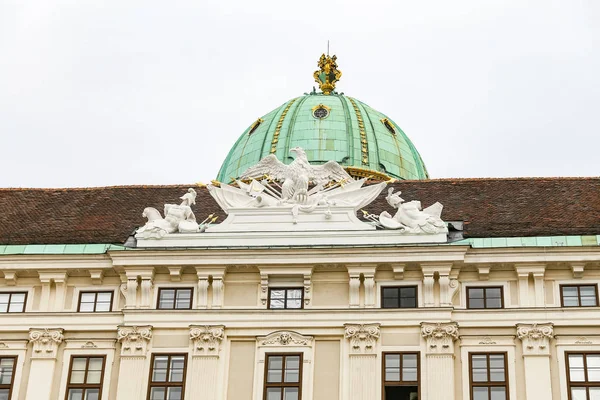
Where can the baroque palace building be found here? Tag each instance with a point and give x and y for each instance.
(323, 264)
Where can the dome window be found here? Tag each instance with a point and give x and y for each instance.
(321, 111)
(255, 126)
(386, 122)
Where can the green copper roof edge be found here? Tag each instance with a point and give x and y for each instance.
(414, 151)
(492, 242)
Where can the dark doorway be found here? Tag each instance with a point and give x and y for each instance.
(401, 393)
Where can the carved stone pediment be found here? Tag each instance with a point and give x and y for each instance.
(134, 340)
(285, 338)
(206, 340)
(440, 336)
(362, 337)
(535, 338)
(45, 341)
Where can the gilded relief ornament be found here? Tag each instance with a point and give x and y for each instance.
(327, 75)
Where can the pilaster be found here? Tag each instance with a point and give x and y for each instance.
(523, 272)
(135, 341)
(210, 276)
(440, 339)
(535, 339)
(45, 343)
(203, 378)
(354, 290)
(368, 274)
(362, 379)
(448, 283)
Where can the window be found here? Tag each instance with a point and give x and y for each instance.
(255, 126)
(7, 373)
(175, 299)
(283, 377)
(399, 297)
(583, 376)
(388, 125)
(488, 376)
(167, 377)
(485, 297)
(13, 302)
(85, 378)
(579, 295)
(285, 298)
(95, 301)
(401, 376)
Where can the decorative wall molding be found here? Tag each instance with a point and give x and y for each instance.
(285, 338)
(10, 277)
(577, 269)
(440, 336)
(175, 273)
(307, 288)
(536, 338)
(45, 341)
(134, 340)
(363, 337)
(97, 276)
(206, 340)
(354, 290)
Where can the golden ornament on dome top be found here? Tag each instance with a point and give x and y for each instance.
(327, 74)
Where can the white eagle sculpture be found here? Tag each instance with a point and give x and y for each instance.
(297, 175)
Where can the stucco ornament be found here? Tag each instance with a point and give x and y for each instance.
(440, 337)
(535, 338)
(285, 338)
(206, 340)
(134, 340)
(410, 217)
(178, 218)
(362, 337)
(273, 184)
(45, 342)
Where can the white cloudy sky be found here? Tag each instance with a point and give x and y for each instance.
(156, 92)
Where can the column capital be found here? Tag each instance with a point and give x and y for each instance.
(45, 341)
(440, 336)
(206, 340)
(362, 337)
(535, 338)
(134, 340)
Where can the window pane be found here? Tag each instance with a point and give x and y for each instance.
(493, 293)
(4, 297)
(92, 394)
(475, 293)
(588, 301)
(476, 303)
(277, 294)
(75, 394)
(290, 393)
(104, 297)
(6, 371)
(18, 298)
(3, 394)
(275, 368)
(16, 307)
(103, 307)
(3, 307)
(480, 393)
(578, 394)
(273, 393)
(594, 393)
(593, 367)
(88, 297)
(498, 393)
(294, 304)
(95, 364)
(390, 302)
(494, 303)
(479, 366)
(409, 367)
(294, 294)
(167, 298)
(392, 367)
(292, 375)
(576, 368)
(497, 368)
(177, 368)
(275, 303)
(571, 301)
(587, 291)
(292, 362)
(77, 376)
(157, 393)
(86, 307)
(159, 373)
(174, 393)
(184, 298)
(94, 377)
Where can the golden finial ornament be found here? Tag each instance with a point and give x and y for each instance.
(327, 74)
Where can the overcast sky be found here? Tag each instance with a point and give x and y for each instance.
(96, 93)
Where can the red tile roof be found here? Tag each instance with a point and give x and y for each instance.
(489, 208)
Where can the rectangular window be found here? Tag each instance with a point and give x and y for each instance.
(399, 297)
(175, 298)
(579, 295)
(85, 378)
(485, 297)
(283, 377)
(286, 298)
(167, 377)
(488, 376)
(13, 302)
(95, 301)
(7, 374)
(583, 376)
(401, 376)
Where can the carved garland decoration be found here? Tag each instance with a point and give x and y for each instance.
(286, 338)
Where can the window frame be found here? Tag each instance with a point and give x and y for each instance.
(382, 288)
(10, 293)
(10, 386)
(401, 382)
(84, 386)
(176, 289)
(586, 384)
(485, 288)
(96, 292)
(181, 384)
(488, 383)
(578, 286)
(286, 288)
(284, 384)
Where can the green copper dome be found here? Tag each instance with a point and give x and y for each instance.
(351, 133)
(328, 126)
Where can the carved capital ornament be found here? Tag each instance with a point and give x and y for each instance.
(535, 338)
(134, 340)
(362, 337)
(440, 336)
(45, 341)
(206, 340)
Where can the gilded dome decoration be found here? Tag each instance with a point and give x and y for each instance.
(328, 126)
